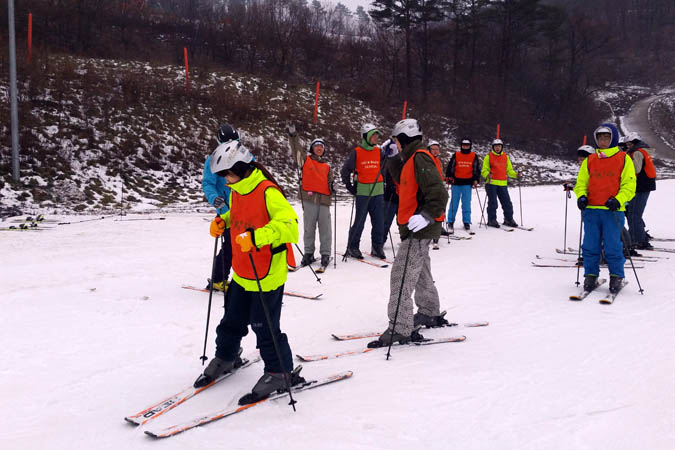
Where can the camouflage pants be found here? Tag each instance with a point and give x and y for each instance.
(417, 278)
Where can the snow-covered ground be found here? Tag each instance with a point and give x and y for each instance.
(94, 327)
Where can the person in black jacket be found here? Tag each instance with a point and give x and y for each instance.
(462, 173)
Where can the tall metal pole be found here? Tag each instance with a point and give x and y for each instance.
(14, 112)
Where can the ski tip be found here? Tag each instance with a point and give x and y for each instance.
(131, 421)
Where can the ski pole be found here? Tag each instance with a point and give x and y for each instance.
(349, 235)
(391, 239)
(449, 208)
(334, 229)
(272, 333)
(208, 310)
(310, 266)
(482, 208)
(568, 195)
(400, 292)
(225, 274)
(620, 228)
(520, 198)
(581, 227)
(365, 210)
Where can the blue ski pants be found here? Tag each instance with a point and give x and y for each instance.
(462, 193)
(374, 208)
(495, 192)
(244, 308)
(602, 231)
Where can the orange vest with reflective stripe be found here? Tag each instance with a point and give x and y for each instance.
(315, 176)
(248, 212)
(604, 177)
(408, 188)
(648, 166)
(497, 166)
(464, 164)
(368, 165)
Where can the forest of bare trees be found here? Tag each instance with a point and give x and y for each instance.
(529, 64)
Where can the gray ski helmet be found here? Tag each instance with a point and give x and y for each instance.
(317, 141)
(368, 128)
(497, 142)
(432, 142)
(407, 127)
(226, 133)
(228, 154)
(585, 150)
(466, 141)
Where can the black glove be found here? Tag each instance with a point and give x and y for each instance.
(352, 189)
(582, 202)
(567, 187)
(613, 204)
(218, 202)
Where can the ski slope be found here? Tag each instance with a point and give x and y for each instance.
(95, 327)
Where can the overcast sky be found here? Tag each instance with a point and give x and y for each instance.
(351, 4)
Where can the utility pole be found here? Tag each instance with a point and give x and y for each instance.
(14, 112)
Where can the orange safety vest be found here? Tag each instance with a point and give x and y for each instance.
(497, 166)
(408, 188)
(648, 167)
(368, 165)
(315, 176)
(464, 164)
(604, 177)
(249, 212)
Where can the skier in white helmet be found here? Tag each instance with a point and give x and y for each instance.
(496, 170)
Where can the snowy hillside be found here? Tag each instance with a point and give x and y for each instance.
(95, 327)
(101, 135)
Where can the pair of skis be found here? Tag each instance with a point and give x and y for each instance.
(156, 410)
(349, 337)
(609, 297)
(286, 292)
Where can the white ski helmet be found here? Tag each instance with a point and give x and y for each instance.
(226, 155)
(407, 127)
(366, 129)
(631, 137)
(497, 142)
(432, 142)
(317, 141)
(585, 149)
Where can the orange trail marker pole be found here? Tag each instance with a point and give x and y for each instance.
(316, 101)
(405, 107)
(30, 35)
(584, 139)
(498, 126)
(187, 71)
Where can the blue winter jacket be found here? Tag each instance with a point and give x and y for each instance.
(215, 186)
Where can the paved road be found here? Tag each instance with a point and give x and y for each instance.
(637, 120)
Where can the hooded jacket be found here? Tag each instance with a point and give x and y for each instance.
(431, 193)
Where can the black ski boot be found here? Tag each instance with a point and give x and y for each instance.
(398, 338)
(590, 282)
(467, 226)
(325, 260)
(510, 223)
(615, 284)
(378, 252)
(270, 383)
(493, 223)
(423, 320)
(451, 227)
(307, 259)
(216, 368)
(354, 253)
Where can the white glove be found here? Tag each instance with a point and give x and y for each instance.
(391, 150)
(417, 222)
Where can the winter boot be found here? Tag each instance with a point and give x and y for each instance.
(270, 383)
(467, 226)
(615, 284)
(493, 223)
(378, 252)
(307, 259)
(451, 227)
(590, 282)
(510, 223)
(398, 338)
(644, 246)
(217, 286)
(435, 245)
(422, 320)
(325, 260)
(216, 368)
(354, 253)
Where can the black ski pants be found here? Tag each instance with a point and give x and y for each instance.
(244, 308)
